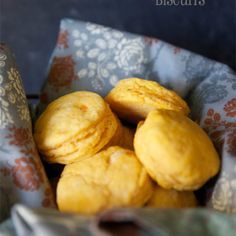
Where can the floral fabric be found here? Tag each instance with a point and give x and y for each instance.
(93, 57)
(214, 106)
(22, 178)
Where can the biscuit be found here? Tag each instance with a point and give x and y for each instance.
(74, 126)
(124, 137)
(127, 140)
(175, 151)
(169, 198)
(132, 99)
(111, 178)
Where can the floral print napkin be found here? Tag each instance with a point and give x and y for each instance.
(22, 177)
(214, 106)
(92, 57)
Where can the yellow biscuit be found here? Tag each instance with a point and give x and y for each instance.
(124, 137)
(169, 198)
(176, 152)
(82, 147)
(74, 126)
(127, 139)
(111, 178)
(132, 99)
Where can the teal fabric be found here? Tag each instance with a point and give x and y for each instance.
(183, 222)
(7, 228)
(142, 221)
(22, 176)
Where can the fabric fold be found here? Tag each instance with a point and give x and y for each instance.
(22, 176)
(140, 221)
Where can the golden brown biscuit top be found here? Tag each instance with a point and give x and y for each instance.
(181, 136)
(147, 92)
(114, 167)
(68, 116)
(177, 152)
(111, 178)
(105, 163)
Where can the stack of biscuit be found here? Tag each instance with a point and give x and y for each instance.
(76, 126)
(111, 165)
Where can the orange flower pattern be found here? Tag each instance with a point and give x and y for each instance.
(19, 136)
(26, 174)
(230, 108)
(62, 72)
(62, 40)
(26, 171)
(216, 127)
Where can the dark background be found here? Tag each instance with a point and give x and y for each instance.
(30, 27)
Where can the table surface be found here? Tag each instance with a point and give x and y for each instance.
(30, 27)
